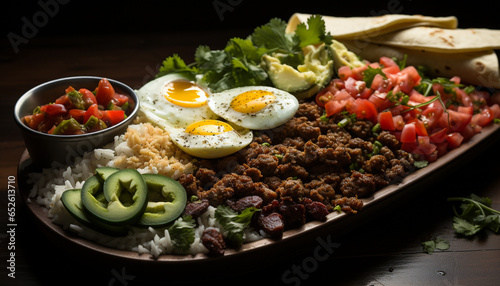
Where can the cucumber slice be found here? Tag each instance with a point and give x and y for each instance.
(167, 200)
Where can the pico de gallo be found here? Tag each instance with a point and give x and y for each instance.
(428, 116)
(80, 111)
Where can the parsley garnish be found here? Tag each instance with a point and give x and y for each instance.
(182, 232)
(370, 73)
(233, 223)
(438, 243)
(238, 64)
(476, 215)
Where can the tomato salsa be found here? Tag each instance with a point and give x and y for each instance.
(80, 111)
(428, 116)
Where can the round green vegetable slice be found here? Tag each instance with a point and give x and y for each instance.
(167, 200)
(72, 201)
(125, 197)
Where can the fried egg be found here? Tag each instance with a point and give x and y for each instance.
(210, 138)
(254, 107)
(174, 101)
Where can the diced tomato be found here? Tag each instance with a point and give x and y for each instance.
(344, 72)
(455, 79)
(409, 133)
(454, 140)
(333, 107)
(77, 114)
(387, 62)
(354, 87)
(419, 127)
(381, 84)
(470, 130)
(432, 114)
(409, 146)
(88, 97)
(425, 146)
(69, 89)
(34, 120)
(455, 121)
(104, 92)
(438, 135)
(399, 123)
(93, 110)
(386, 121)
(408, 78)
(417, 97)
(379, 100)
(463, 97)
(391, 70)
(114, 116)
(357, 73)
(483, 118)
(495, 108)
(363, 108)
(323, 97)
(54, 109)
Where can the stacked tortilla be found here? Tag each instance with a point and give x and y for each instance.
(434, 42)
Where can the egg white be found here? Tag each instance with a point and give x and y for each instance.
(158, 110)
(212, 146)
(273, 115)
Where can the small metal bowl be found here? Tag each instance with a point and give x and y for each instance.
(47, 150)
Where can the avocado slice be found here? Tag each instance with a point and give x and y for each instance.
(305, 80)
(343, 57)
(167, 200)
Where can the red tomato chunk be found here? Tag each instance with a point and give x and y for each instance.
(428, 116)
(80, 112)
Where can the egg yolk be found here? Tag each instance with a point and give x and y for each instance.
(208, 127)
(252, 101)
(185, 93)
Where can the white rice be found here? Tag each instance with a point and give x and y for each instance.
(49, 185)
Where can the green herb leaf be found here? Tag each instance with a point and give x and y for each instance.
(314, 33)
(182, 232)
(420, 164)
(273, 37)
(476, 215)
(233, 223)
(370, 73)
(174, 64)
(438, 243)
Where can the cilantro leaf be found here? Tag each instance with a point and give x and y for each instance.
(476, 215)
(272, 36)
(370, 73)
(174, 64)
(314, 33)
(182, 232)
(233, 223)
(438, 243)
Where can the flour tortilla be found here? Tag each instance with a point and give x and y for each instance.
(367, 27)
(478, 68)
(442, 40)
(434, 42)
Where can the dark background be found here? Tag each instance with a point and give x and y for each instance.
(79, 17)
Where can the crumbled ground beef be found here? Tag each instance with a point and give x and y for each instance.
(302, 170)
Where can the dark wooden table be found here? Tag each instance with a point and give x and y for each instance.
(385, 250)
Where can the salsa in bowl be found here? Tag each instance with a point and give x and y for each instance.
(62, 119)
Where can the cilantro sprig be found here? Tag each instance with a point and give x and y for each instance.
(476, 215)
(238, 64)
(234, 223)
(182, 232)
